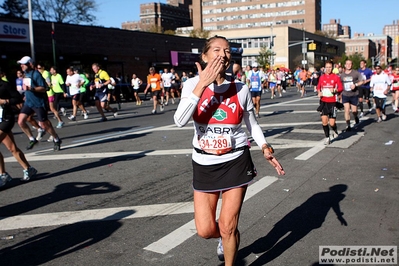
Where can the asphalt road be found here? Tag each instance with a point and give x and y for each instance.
(119, 192)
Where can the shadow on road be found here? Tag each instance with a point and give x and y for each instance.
(295, 225)
(62, 241)
(60, 193)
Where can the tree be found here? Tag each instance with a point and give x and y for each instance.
(15, 8)
(64, 11)
(200, 33)
(264, 57)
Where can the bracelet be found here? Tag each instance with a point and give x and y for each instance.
(268, 147)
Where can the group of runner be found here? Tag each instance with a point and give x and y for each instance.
(351, 88)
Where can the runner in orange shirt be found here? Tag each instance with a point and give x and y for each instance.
(155, 82)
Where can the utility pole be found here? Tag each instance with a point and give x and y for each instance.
(32, 45)
(304, 48)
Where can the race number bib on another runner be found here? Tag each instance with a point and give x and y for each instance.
(215, 144)
(347, 86)
(326, 92)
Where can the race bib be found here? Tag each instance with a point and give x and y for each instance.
(254, 84)
(326, 92)
(301, 82)
(379, 87)
(347, 86)
(153, 85)
(215, 144)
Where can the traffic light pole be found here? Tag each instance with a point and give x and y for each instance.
(53, 43)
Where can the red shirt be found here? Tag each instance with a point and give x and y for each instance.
(395, 81)
(326, 82)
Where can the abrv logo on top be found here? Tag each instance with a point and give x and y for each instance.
(14, 32)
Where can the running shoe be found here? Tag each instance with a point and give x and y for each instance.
(31, 144)
(50, 139)
(271, 97)
(394, 107)
(334, 135)
(103, 119)
(72, 118)
(327, 141)
(173, 101)
(119, 106)
(85, 116)
(40, 133)
(63, 111)
(57, 145)
(153, 112)
(348, 129)
(60, 124)
(379, 120)
(361, 114)
(280, 95)
(219, 250)
(29, 173)
(162, 107)
(166, 103)
(4, 178)
(257, 115)
(356, 120)
(384, 117)
(397, 110)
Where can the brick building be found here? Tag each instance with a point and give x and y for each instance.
(161, 17)
(393, 31)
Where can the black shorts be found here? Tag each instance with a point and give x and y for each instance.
(82, 97)
(364, 93)
(219, 177)
(255, 94)
(157, 93)
(353, 100)
(167, 89)
(76, 97)
(41, 112)
(7, 123)
(328, 109)
(380, 103)
(57, 98)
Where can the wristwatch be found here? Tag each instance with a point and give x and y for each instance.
(267, 146)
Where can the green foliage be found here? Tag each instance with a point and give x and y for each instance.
(264, 57)
(200, 33)
(169, 32)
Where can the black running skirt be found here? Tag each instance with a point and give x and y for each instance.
(224, 176)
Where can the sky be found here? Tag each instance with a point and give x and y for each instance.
(363, 16)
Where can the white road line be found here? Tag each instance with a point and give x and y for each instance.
(186, 231)
(63, 218)
(311, 152)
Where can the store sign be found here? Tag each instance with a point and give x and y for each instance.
(183, 58)
(14, 32)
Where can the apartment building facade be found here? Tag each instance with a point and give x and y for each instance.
(161, 17)
(393, 31)
(217, 15)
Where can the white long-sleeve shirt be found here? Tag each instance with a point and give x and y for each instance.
(218, 115)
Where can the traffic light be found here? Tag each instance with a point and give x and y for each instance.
(53, 34)
(312, 46)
